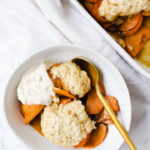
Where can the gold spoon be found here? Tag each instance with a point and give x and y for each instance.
(94, 76)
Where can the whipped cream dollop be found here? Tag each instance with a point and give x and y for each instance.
(36, 86)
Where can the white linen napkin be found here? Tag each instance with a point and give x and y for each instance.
(30, 25)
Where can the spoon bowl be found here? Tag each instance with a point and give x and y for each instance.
(89, 68)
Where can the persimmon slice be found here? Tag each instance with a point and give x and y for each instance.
(89, 6)
(131, 23)
(146, 13)
(65, 101)
(63, 93)
(107, 24)
(24, 108)
(146, 22)
(62, 84)
(32, 111)
(95, 13)
(97, 136)
(36, 124)
(94, 104)
(57, 82)
(103, 116)
(112, 101)
(83, 142)
(144, 55)
(136, 41)
(133, 30)
(92, 1)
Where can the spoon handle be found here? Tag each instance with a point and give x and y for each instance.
(116, 121)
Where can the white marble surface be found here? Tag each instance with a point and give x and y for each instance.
(24, 30)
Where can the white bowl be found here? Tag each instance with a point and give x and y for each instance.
(113, 81)
(135, 64)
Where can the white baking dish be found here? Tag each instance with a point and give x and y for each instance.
(135, 64)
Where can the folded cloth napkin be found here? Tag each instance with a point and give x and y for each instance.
(30, 25)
